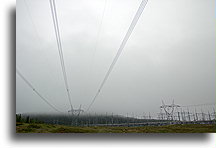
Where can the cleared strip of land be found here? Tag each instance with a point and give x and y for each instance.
(50, 128)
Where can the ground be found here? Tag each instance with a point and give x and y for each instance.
(49, 128)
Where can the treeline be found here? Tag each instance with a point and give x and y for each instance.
(26, 119)
(81, 120)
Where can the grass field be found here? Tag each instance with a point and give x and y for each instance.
(49, 128)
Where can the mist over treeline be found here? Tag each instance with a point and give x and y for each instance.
(79, 120)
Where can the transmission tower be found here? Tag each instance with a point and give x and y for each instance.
(76, 112)
(169, 110)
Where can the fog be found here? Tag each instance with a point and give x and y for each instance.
(169, 56)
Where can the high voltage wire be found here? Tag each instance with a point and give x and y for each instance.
(100, 27)
(18, 72)
(130, 29)
(33, 88)
(207, 104)
(58, 39)
(97, 38)
(31, 19)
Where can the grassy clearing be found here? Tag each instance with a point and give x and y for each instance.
(49, 128)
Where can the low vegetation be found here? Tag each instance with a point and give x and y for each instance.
(49, 128)
(88, 124)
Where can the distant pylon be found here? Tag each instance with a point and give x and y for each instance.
(76, 112)
(169, 110)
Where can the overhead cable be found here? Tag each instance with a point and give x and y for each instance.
(34, 89)
(100, 28)
(207, 104)
(59, 44)
(129, 31)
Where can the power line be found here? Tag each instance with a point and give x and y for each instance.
(100, 27)
(33, 88)
(130, 29)
(97, 38)
(31, 19)
(58, 39)
(206, 104)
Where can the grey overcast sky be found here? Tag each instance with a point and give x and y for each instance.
(170, 54)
